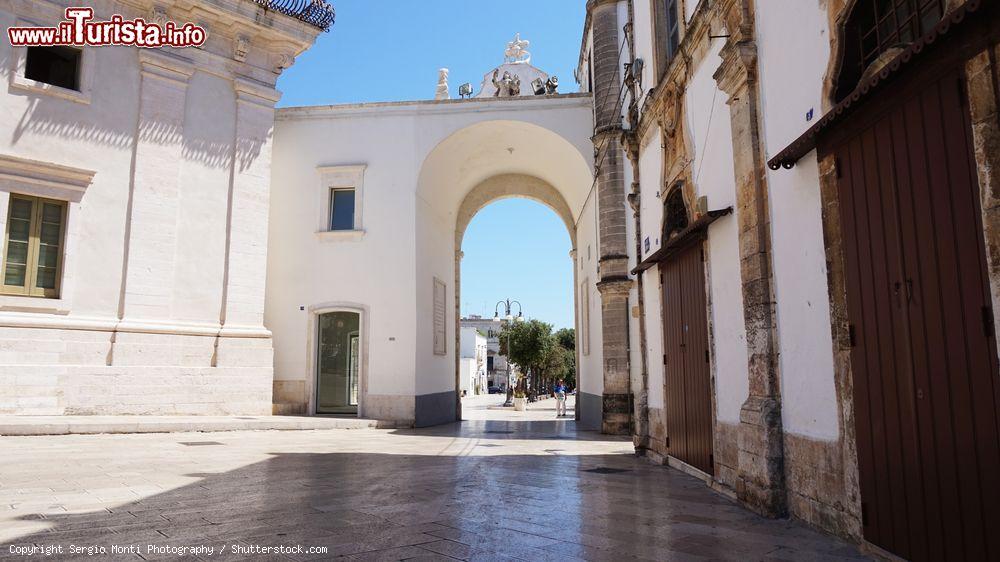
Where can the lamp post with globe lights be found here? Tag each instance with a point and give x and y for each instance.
(509, 317)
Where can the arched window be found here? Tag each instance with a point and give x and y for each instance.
(879, 28)
(675, 215)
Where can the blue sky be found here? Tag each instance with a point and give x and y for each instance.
(518, 249)
(390, 50)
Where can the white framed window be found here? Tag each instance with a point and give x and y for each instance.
(341, 194)
(39, 207)
(63, 72)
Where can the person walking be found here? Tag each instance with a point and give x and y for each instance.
(560, 392)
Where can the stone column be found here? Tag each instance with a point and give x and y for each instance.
(152, 220)
(615, 283)
(761, 480)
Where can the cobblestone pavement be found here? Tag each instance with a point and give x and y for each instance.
(487, 489)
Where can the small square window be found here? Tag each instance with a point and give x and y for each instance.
(341, 209)
(58, 66)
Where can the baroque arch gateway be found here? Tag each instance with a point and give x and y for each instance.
(412, 175)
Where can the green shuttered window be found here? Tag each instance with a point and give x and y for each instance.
(33, 247)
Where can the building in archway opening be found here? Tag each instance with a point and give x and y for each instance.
(368, 218)
(472, 365)
(496, 364)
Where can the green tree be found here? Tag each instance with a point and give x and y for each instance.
(567, 341)
(530, 346)
(567, 338)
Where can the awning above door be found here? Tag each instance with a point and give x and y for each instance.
(694, 231)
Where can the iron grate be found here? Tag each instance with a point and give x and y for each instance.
(199, 443)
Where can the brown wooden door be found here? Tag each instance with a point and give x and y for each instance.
(688, 391)
(924, 359)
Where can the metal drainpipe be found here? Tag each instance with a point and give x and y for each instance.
(641, 431)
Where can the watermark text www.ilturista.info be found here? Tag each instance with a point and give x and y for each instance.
(204, 551)
(80, 30)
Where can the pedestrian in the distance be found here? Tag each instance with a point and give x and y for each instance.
(560, 392)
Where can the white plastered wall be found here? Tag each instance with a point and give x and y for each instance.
(791, 86)
(712, 172)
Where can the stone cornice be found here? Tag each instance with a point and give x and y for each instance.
(165, 66)
(425, 107)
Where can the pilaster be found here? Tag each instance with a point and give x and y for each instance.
(761, 475)
(246, 252)
(152, 219)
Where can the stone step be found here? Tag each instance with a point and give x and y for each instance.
(11, 425)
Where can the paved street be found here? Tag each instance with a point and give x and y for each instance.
(516, 486)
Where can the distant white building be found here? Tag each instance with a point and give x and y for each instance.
(472, 361)
(496, 364)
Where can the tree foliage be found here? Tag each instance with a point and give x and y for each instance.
(540, 353)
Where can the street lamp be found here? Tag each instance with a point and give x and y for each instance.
(508, 316)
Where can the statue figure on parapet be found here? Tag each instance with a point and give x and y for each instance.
(508, 86)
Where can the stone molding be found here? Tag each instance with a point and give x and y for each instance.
(253, 92)
(44, 179)
(14, 319)
(160, 65)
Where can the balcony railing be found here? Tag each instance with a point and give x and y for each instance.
(318, 13)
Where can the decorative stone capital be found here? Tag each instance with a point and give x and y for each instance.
(611, 287)
(738, 69)
(160, 64)
(249, 91)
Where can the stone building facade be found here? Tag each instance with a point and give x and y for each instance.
(772, 350)
(152, 167)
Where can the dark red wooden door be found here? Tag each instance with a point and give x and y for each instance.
(924, 359)
(688, 391)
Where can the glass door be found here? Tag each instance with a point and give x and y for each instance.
(338, 363)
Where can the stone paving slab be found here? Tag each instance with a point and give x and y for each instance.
(509, 489)
(91, 425)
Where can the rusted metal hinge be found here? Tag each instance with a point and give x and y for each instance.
(987, 321)
(852, 340)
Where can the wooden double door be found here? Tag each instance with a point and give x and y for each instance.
(924, 358)
(687, 380)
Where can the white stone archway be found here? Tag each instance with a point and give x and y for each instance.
(484, 163)
(421, 171)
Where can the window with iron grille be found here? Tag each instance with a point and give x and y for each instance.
(876, 27)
